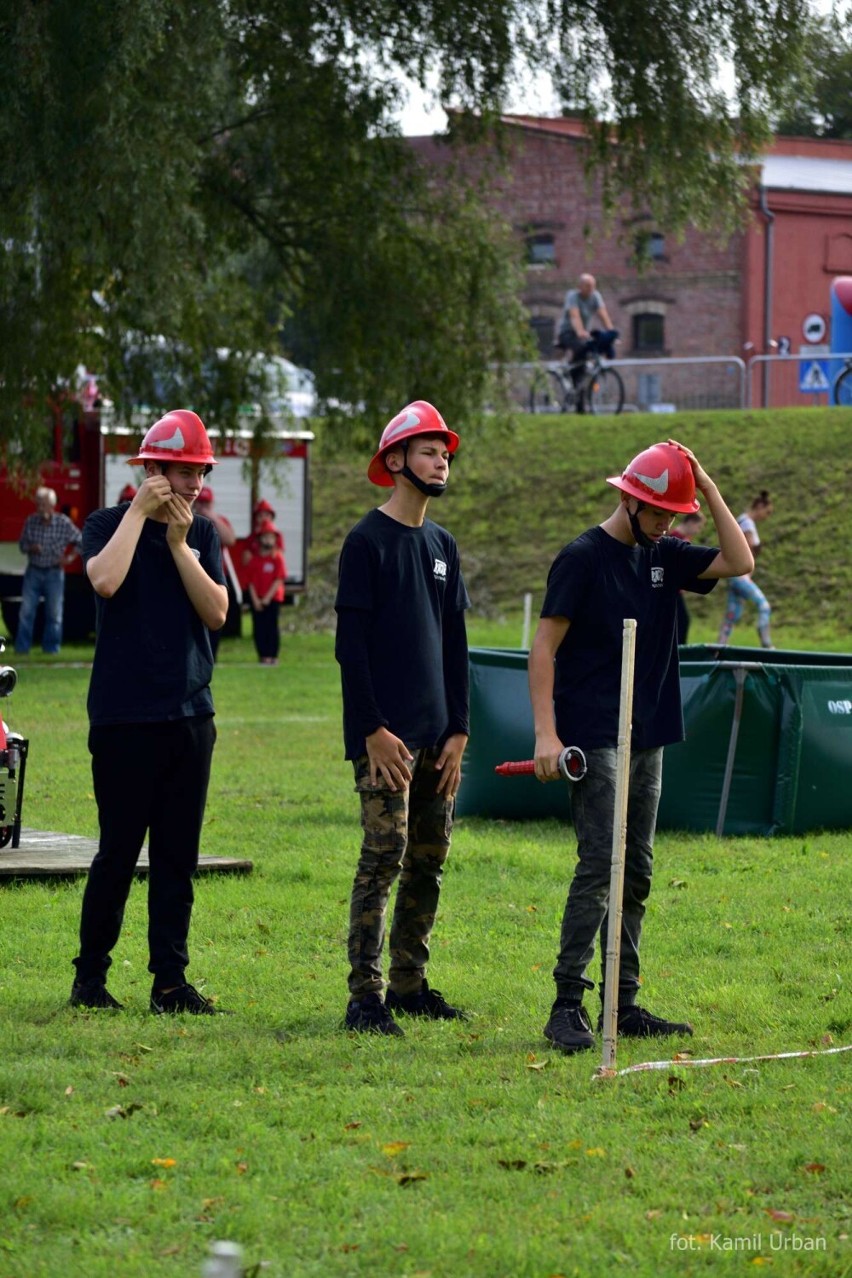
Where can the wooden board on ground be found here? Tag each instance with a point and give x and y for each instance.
(48, 854)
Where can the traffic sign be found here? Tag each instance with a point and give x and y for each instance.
(813, 327)
(814, 377)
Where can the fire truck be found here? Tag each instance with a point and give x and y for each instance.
(88, 468)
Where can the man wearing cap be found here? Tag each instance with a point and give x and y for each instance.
(626, 567)
(156, 571)
(402, 648)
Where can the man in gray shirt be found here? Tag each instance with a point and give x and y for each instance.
(585, 327)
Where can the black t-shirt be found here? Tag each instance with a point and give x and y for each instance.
(597, 582)
(153, 660)
(401, 639)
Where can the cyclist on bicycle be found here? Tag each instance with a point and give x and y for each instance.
(580, 334)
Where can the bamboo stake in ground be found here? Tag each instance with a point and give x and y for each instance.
(619, 844)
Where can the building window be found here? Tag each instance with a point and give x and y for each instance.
(650, 246)
(650, 387)
(649, 332)
(542, 327)
(541, 250)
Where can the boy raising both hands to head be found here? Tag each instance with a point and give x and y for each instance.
(402, 648)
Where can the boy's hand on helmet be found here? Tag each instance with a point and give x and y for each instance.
(699, 473)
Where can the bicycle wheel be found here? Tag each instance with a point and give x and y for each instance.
(842, 393)
(605, 393)
(547, 394)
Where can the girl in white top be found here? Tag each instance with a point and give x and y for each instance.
(742, 590)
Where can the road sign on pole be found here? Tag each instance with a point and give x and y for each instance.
(814, 377)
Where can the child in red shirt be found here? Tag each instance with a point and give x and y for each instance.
(266, 573)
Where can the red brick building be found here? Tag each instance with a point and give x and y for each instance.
(695, 297)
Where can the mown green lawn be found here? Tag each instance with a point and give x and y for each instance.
(128, 1142)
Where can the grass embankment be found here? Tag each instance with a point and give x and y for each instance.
(517, 495)
(128, 1142)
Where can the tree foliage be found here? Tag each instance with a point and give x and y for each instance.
(215, 172)
(819, 98)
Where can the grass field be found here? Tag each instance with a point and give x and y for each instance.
(128, 1142)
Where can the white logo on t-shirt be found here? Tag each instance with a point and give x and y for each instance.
(440, 569)
(657, 576)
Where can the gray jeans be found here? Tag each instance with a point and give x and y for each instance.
(585, 917)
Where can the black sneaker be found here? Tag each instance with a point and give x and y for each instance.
(94, 995)
(569, 1028)
(425, 1002)
(183, 999)
(635, 1022)
(368, 1015)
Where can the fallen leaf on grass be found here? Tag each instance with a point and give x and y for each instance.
(174, 1250)
(408, 1178)
(775, 1214)
(158, 1185)
(536, 1064)
(164, 1162)
(69, 1091)
(761, 1260)
(823, 1105)
(80, 1166)
(676, 1084)
(685, 1055)
(815, 1168)
(629, 1173)
(395, 1147)
(696, 1124)
(242, 1168)
(654, 1214)
(121, 1079)
(350, 1127)
(596, 1152)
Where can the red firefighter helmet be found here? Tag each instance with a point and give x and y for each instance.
(417, 418)
(263, 507)
(205, 496)
(660, 476)
(127, 493)
(178, 437)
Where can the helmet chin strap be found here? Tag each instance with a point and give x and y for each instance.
(641, 540)
(428, 490)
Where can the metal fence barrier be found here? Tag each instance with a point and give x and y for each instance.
(709, 381)
(788, 380)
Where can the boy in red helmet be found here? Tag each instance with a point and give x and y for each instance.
(402, 648)
(156, 571)
(628, 566)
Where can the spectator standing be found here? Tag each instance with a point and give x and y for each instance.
(402, 648)
(266, 574)
(50, 540)
(742, 590)
(690, 526)
(624, 567)
(227, 539)
(156, 571)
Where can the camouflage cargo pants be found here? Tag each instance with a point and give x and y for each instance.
(406, 835)
(585, 916)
